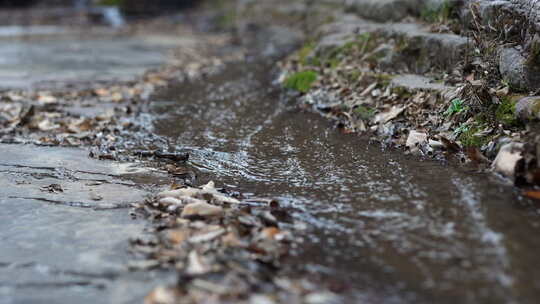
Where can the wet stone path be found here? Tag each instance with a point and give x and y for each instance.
(64, 217)
(65, 226)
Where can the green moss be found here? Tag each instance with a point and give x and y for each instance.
(364, 112)
(437, 12)
(468, 135)
(505, 112)
(384, 79)
(301, 81)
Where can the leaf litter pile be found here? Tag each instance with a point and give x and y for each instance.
(226, 249)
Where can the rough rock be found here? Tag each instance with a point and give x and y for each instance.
(271, 40)
(517, 71)
(413, 82)
(424, 50)
(171, 201)
(420, 49)
(415, 139)
(529, 8)
(507, 158)
(394, 10)
(489, 10)
(512, 66)
(382, 10)
(528, 108)
(333, 41)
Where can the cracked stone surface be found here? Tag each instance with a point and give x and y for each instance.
(64, 245)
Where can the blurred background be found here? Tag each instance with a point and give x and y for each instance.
(113, 12)
(54, 43)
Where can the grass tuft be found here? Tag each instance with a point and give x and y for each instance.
(301, 81)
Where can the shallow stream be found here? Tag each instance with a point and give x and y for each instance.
(389, 228)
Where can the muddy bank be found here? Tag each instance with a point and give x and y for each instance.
(432, 78)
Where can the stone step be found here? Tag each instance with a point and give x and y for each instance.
(413, 44)
(413, 82)
(395, 10)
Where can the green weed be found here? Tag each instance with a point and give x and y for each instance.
(301, 81)
(457, 106)
(469, 138)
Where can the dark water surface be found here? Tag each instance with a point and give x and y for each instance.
(391, 228)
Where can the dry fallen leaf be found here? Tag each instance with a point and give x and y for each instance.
(196, 265)
(534, 194)
(177, 236)
(47, 125)
(117, 97)
(270, 232)
(46, 99)
(162, 295)
(101, 92)
(79, 125)
(388, 115)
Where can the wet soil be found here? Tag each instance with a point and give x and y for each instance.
(383, 226)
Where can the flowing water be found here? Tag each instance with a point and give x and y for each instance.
(390, 228)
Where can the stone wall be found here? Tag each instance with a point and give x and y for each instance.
(529, 8)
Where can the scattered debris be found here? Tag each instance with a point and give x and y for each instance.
(388, 115)
(222, 247)
(178, 157)
(53, 188)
